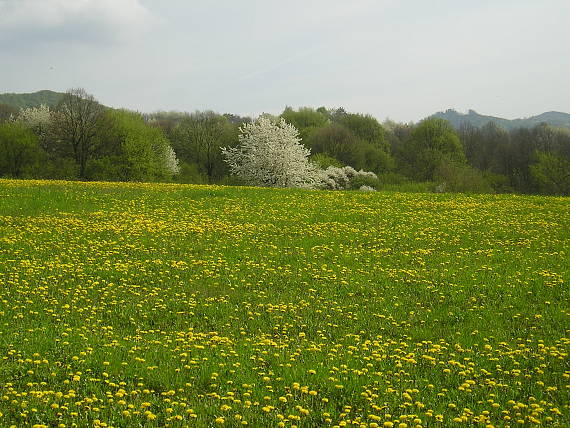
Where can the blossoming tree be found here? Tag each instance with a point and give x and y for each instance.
(270, 154)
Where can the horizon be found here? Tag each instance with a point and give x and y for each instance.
(387, 59)
(380, 119)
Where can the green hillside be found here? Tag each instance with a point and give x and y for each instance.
(552, 118)
(34, 99)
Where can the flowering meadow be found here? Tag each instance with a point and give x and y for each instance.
(178, 305)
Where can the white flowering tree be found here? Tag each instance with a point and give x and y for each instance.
(36, 118)
(170, 163)
(270, 154)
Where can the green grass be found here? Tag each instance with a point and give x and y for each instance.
(200, 305)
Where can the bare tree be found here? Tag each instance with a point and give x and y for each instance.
(199, 137)
(77, 118)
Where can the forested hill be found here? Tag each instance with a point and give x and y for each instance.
(34, 99)
(552, 118)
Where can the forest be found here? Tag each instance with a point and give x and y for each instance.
(80, 139)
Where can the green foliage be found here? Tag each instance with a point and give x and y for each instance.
(7, 112)
(190, 174)
(323, 161)
(462, 178)
(438, 136)
(392, 178)
(198, 139)
(59, 168)
(76, 123)
(486, 154)
(135, 150)
(305, 119)
(34, 99)
(409, 187)
(431, 143)
(367, 128)
(475, 119)
(336, 141)
(361, 180)
(552, 173)
(481, 145)
(499, 182)
(370, 157)
(106, 168)
(19, 150)
(355, 140)
(509, 155)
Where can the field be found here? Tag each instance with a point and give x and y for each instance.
(152, 305)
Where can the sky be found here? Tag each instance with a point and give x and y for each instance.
(397, 59)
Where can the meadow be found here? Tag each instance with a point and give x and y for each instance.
(181, 305)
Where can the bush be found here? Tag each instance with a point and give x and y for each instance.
(60, 168)
(322, 160)
(499, 182)
(361, 180)
(392, 178)
(552, 173)
(334, 178)
(19, 151)
(461, 178)
(103, 169)
(190, 174)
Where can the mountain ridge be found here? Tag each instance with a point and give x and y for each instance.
(31, 99)
(553, 118)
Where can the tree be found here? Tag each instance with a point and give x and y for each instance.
(19, 149)
(337, 141)
(432, 142)
(552, 173)
(236, 119)
(367, 128)
(270, 154)
(305, 119)
(39, 120)
(198, 139)
(322, 160)
(77, 119)
(132, 150)
(7, 112)
(165, 120)
(460, 177)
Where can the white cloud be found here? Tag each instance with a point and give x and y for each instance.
(22, 21)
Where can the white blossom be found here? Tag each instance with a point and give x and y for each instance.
(339, 178)
(270, 154)
(171, 164)
(36, 118)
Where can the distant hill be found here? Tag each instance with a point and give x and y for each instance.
(35, 99)
(553, 118)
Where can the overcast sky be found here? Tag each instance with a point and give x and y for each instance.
(390, 58)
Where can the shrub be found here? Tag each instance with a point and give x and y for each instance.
(334, 178)
(458, 177)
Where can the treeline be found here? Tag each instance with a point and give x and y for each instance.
(81, 139)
